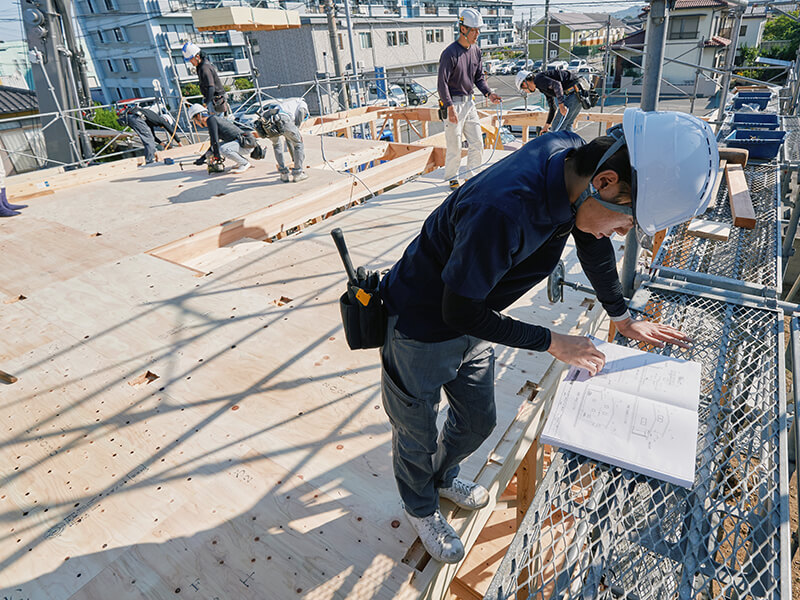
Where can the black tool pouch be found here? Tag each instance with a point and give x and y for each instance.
(364, 324)
(442, 111)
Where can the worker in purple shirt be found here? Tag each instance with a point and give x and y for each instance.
(461, 68)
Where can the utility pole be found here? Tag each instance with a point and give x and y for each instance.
(332, 34)
(657, 23)
(48, 29)
(546, 53)
(606, 66)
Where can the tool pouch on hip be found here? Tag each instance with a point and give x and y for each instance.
(220, 102)
(364, 314)
(442, 111)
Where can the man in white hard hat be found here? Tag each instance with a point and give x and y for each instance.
(211, 87)
(488, 244)
(226, 140)
(560, 88)
(461, 68)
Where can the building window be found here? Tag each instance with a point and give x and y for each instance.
(366, 39)
(110, 5)
(130, 64)
(553, 53)
(119, 93)
(554, 37)
(119, 35)
(743, 30)
(341, 41)
(429, 36)
(137, 92)
(440, 35)
(403, 36)
(683, 28)
(90, 4)
(112, 68)
(100, 37)
(391, 38)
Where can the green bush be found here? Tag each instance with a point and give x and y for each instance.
(243, 83)
(190, 89)
(107, 118)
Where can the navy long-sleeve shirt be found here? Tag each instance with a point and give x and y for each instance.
(459, 70)
(554, 84)
(210, 84)
(489, 243)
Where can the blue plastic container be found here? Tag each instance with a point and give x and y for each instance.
(759, 98)
(760, 143)
(746, 120)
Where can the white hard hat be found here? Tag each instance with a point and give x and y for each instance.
(194, 110)
(190, 50)
(674, 161)
(471, 18)
(521, 77)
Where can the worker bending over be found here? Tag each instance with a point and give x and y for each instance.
(144, 122)
(226, 139)
(487, 245)
(460, 68)
(277, 124)
(559, 88)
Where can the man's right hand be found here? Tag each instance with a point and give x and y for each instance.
(578, 351)
(546, 128)
(451, 114)
(562, 109)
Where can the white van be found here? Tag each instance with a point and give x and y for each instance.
(490, 66)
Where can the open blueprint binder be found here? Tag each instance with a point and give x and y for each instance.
(639, 412)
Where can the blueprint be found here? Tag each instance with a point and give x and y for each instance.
(639, 412)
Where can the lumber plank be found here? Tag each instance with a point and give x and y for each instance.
(720, 174)
(739, 195)
(711, 230)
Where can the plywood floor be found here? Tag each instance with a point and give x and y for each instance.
(254, 459)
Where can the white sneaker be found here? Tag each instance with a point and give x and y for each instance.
(285, 177)
(439, 538)
(300, 177)
(466, 494)
(241, 168)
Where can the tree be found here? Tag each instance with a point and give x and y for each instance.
(106, 118)
(190, 89)
(783, 28)
(243, 83)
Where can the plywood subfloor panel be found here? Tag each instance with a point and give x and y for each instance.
(260, 457)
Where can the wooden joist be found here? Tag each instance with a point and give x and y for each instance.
(739, 195)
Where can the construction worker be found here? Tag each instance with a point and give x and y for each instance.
(144, 122)
(559, 87)
(487, 245)
(460, 68)
(277, 124)
(214, 97)
(226, 139)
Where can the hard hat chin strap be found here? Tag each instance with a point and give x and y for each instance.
(591, 191)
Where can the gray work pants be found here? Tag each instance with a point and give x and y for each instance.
(413, 376)
(139, 125)
(294, 141)
(564, 122)
(231, 150)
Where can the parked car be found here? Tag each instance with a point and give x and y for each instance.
(537, 64)
(504, 68)
(517, 66)
(490, 66)
(414, 92)
(558, 64)
(577, 63)
(394, 96)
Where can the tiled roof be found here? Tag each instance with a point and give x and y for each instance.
(580, 21)
(679, 4)
(717, 40)
(633, 40)
(17, 100)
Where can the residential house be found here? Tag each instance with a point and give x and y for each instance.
(570, 31)
(21, 139)
(698, 34)
(752, 30)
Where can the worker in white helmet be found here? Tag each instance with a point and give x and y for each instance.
(460, 69)
(225, 138)
(562, 91)
(488, 244)
(214, 97)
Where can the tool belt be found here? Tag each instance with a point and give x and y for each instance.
(364, 315)
(220, 102)
(442, 111)
(587, 96)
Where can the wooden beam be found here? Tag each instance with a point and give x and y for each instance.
(710, 230)
(739, 195)
(720, 174)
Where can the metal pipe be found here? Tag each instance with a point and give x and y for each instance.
(657, 22)
(729, 60)
(795, 333)
(791, 230)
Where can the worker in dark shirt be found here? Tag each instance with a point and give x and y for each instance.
(145, 122)
(487, 245)
(211, 87)
(226, 139)
(460, 68)
(559, 87)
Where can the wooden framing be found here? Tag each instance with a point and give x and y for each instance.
(245, 18)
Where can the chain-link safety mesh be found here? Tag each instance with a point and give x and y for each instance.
(597, 531)
(749, 255)
(791, 144)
